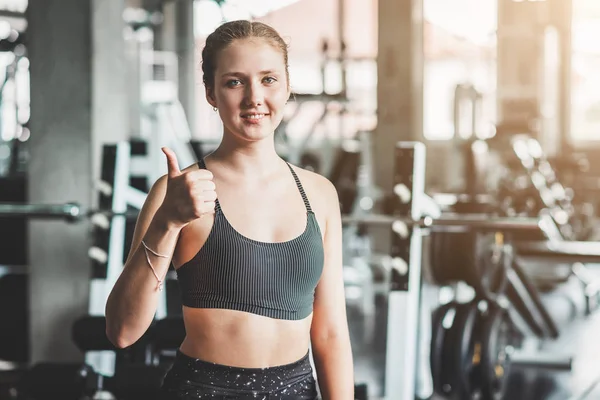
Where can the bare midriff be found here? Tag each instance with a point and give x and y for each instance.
(244, 340)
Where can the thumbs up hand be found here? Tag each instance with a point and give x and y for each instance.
(190, 195)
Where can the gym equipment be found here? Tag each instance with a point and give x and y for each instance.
(438, 336)
(166, 337)
(344, 176)
(361, 392)
(494, 338)
(111, 237)
(479, 259)
(14, 328)
(458, 351)
(14, 98)
(551, 194)
(567, 252)
(471, 359)
(68, 380)
(112, 228)
(138, 382)
(89, 334)
(459, 341)
(473, 348)
(13, 232)
(73, 212)
(409, 223)
(55, 381)
(135, 376)
(467, 108)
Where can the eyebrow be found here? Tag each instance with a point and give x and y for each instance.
(266, 72)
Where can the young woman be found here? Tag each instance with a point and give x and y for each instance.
(256, 244)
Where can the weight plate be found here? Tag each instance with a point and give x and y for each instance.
(464, 363)
(438, 335)
(460, 250)
(470, 257)
(495, 337)
(437, 253)
(452, 361)
(447, 256)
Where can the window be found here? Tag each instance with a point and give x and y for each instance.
(460, 49)
(585, 80)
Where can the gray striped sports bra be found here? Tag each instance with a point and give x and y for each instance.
(276, 280)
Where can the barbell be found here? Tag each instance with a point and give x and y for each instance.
(73, 212)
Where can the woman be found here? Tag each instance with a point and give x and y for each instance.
(260, 268)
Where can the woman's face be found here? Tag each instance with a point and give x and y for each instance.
(250, 89)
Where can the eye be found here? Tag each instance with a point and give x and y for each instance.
(233, 82)
(269, 80)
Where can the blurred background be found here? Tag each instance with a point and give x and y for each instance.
(504, 95)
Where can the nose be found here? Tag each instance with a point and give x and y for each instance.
(254, 94)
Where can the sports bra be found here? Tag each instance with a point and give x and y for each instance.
(232, 271)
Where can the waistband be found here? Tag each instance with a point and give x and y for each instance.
(273, 378)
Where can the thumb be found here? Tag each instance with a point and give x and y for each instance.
(172, 163)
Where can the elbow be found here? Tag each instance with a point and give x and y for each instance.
(122, 329)
(117, 335)
(115, 332)
(118, 339)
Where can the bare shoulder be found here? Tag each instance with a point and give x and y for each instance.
(321, 193)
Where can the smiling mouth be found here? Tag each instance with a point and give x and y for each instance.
(254, 117)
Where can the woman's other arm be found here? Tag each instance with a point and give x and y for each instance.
(329, 333)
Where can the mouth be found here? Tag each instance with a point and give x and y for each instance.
(254, 116)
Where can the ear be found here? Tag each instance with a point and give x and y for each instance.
(210, 96)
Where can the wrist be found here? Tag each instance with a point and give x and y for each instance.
(162, 222)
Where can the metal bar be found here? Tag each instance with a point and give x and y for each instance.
(559, 252)
(12, 14)
(12, 269)
(404, 299)
(542, 361)
(549, 324)
(475, 221)
(521, 302)
(74, 211)
(68, 210)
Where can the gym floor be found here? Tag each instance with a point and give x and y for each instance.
(579, 339)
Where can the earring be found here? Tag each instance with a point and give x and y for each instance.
(215, 109)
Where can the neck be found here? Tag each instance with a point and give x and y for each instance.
(252, 158)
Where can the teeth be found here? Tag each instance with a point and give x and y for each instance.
(254, 116)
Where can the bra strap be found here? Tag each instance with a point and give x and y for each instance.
(300, 189)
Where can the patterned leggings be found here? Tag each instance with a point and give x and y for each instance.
(192, 379)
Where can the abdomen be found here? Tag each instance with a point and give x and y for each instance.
(242, 339)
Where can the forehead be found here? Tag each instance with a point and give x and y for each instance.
(250, 55)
